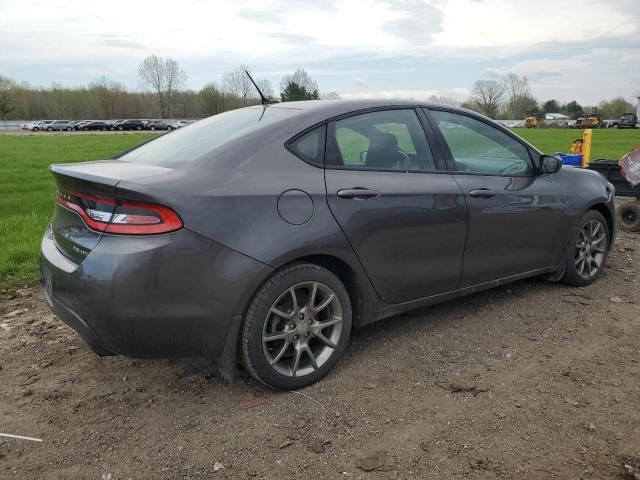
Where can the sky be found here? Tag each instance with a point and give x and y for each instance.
(587, 50)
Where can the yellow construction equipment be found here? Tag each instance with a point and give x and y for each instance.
(536, 120)
(590, 120)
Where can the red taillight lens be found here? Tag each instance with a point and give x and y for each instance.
(120, 217)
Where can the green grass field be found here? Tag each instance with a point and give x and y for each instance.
(27, 191)
(606, 143)
(27, 188)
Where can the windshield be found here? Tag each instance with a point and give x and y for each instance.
(192, 142)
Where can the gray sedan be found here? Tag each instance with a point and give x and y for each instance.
(263, 235)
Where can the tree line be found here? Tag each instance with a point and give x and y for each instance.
(162, 93)
(510, 98)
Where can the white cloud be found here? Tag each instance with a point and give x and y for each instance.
(48, 41)
(459, 94)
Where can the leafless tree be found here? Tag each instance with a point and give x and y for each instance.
(444, 100)
(302, 79)
(266, 88)
(330, 96)
(237, 83)
(518, 95)
(163, 77)
(487, 95)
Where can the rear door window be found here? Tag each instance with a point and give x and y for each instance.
(382, 140)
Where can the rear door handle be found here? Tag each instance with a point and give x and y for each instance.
(357, 193)
(482, 193)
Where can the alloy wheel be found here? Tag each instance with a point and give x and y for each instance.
(590, 249)
(302, 329)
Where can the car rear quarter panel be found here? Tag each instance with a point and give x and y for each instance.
(231, 196)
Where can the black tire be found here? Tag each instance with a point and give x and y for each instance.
(628, 216)
(572, 275)
(259, 315)
(152, 127)
(120, 128)
(615, 125)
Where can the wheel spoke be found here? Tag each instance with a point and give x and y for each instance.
(312, 297)
(598, 240)
(282, 351)
(324, 304)
(296, 360)
(294, 300)
(275, 336)
(281, 314)
(312, 358)
(320, 336)
(327, 323)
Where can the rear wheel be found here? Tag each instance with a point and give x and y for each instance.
(629, 216)
(296, 327)
(587, 251)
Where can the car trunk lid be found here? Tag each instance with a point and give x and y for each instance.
(86, 202)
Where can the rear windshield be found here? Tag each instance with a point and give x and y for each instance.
(190, 143)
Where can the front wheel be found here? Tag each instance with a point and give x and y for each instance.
(587, 251)
(296, 327)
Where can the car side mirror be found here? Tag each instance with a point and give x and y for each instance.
(549, 164)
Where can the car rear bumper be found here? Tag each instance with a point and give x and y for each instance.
(173, 295)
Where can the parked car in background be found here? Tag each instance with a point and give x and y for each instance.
(176, 124)
(627, 120)
(95, 125)
(41, 125)
(59, 125)
(77, 125)
(365, 209)
(156, 125)
(128, 125)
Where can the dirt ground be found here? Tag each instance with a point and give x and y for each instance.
(533, 380)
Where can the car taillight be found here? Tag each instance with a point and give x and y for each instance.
(120, 216)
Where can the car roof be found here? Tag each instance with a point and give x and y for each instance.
(338, 107)
(316, 111)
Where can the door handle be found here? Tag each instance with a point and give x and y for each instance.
(482, 193)
(357, 193)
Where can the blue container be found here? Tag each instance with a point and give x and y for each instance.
(572, 160)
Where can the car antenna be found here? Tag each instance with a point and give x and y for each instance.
(264, 100)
